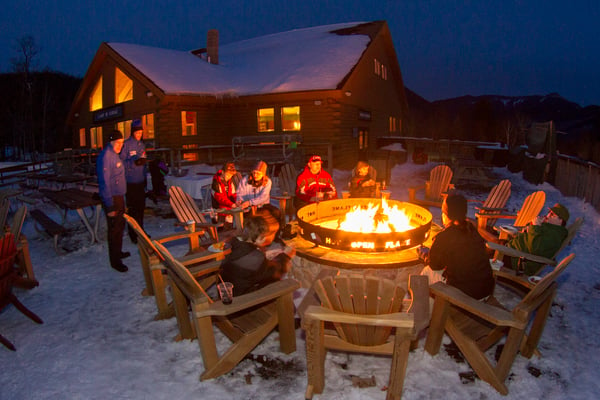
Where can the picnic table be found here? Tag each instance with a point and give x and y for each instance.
(78, 200)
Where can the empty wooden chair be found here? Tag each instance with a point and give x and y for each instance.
(287, 189)
(23, 258)
(246, 321)
(434, 190)
(530, 209)
(475, 326)
(8, 276)
(154, 269)
(368, 317)
(495, 203)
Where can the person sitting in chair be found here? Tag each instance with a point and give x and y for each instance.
(543, 237)
(247, 266)
(362, 184)
(313, 184)
(255, 189)
(458, 254)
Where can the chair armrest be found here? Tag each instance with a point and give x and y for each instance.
(177, 236)
(206, 268)
(496, 216)
(248, 300)
(459, 299)
(483, 210)
(200, 257)
(281, 197)
(517, 253)
(397, 320)
(232, 211)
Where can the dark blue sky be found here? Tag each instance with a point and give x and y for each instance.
(445, 48)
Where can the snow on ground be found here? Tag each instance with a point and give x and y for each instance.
(99, 339)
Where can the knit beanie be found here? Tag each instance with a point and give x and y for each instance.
(456, 207)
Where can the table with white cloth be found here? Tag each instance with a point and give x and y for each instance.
(195, 185)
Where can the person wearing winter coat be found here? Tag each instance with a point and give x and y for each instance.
(458, 254)
(112, 187)
(255, 189)
(313, 184)
(134, 158)
(362, 184)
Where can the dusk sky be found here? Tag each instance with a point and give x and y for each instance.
(445, 48)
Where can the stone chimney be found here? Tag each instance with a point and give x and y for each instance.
(212, 46)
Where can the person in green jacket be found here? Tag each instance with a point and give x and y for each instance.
(542, 238)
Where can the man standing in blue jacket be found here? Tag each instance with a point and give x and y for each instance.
(134, 158)
(112, 186)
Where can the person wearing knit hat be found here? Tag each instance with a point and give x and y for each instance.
(255, 189)
(458, 254)
(313, 184)
(134, 158)
(362, 184)
(543, 237)
(112, 188)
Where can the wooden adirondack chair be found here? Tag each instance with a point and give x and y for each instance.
(154, 269)
(287, 189)
(435, 188)
(4, 207)
(501, 250)
(23, 258)
(494, 204)
(530, 209)
(246, 321)
(475, 326)
(8, 275)
(363, 326)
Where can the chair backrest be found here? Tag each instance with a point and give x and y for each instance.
(530, 209)
(498, 195)
(17, 222)
(4, 207)
(8, 251)
(543, 284)
(357, 294)
(572, 230)
(287, 179)
(184, 206)
(182, 276)
(439, 181)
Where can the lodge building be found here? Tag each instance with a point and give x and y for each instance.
(336, 84)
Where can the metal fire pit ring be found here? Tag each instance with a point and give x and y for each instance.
(311, 215)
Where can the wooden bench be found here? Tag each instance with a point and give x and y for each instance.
(53, 228)
(269, 148)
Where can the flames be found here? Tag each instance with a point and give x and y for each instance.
(375, 218)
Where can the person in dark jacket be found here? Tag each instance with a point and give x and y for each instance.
(362, 183)
(112, 187)
(223, 190)
(247, 266)
(134, 158)
(542, 238)
(458, 254)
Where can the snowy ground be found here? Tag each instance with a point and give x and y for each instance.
(99, 339)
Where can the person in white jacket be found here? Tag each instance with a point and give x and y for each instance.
(255, 189)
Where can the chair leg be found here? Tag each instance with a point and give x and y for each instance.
(439, 316)
(315, 356)
(399, 362)
(182, 314)
(160, 295)
(7, 343)
(285, 320)
(13, 299)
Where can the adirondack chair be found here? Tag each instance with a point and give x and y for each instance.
(4, 207)
(287, 189)
(23, 258)
(435, 188)
(494, 204)
(246, 321)
(363, 326)
(501, 250)
(8, 275)
(185, 210)
(530, 209)
(475, 326)
(154, 269)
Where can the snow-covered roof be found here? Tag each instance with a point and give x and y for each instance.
(297, 60)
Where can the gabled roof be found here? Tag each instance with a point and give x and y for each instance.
(317, 58)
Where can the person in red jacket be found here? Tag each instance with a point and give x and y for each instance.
(313, 184)
(223, 189)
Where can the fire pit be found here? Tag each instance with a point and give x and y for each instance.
(390, 226)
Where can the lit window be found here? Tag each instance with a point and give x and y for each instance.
(96, 97)
(393, 126)
(290, 118)
(148, 124)
(384, 72)
(96, 137)
(266, 119)
(82, 137)
(363, 139)
(188, 123)
(190, 156)
(125, 128)
(123, 87)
